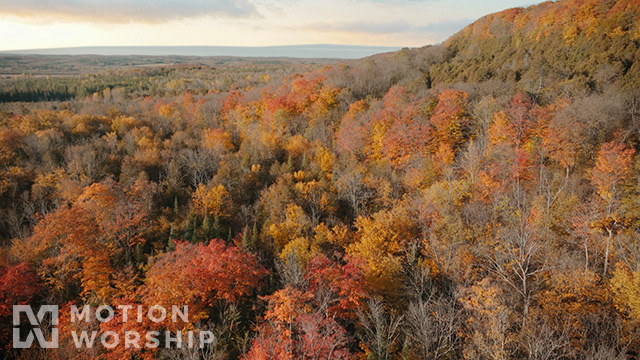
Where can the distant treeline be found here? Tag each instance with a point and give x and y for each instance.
(152, 81)
(30, 89)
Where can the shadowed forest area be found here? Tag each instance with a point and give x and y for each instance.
(478, 199)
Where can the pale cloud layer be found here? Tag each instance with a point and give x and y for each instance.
(29, 24)
(392, 27)
(125, 11)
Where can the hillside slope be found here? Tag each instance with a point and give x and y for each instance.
(580, 42)
(553, 48)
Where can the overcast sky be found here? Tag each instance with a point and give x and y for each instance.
(31, 24)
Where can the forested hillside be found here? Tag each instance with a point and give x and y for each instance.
(479, 199)
(551, 47)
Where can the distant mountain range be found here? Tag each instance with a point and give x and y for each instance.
(293, 51)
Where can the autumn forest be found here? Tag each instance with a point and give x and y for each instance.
(478, 199)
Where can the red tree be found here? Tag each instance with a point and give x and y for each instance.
(18, 286)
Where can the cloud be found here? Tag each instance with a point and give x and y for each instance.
(126, 11)
(394, 27)
(400, 1)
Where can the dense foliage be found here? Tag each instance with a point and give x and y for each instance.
(551, 46)
(379, 208)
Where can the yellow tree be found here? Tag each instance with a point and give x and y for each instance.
(212, 201)
(381, 240)
(490, 335)
(625, 285)
(296, 225)
(612, 168)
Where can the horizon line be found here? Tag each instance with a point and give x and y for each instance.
(336, 51)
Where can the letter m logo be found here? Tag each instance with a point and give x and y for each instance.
(36, 323)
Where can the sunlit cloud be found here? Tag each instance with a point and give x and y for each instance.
(33, 24)
(393, 27)
(124, 11)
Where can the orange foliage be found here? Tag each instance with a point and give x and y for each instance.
(200, 275)
(449, 117)
(78, 242)
(612, 167)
